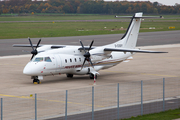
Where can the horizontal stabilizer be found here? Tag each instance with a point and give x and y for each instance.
(144, 17)
(132, 50)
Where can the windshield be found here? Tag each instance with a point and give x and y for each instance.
(40, 59)
(47, 59)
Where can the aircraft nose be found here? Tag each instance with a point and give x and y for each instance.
(29, 70)
(26, 71)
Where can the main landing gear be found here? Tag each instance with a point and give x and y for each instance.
(91, 76)
(69, 75)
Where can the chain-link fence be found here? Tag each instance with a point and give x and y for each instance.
(108, 102)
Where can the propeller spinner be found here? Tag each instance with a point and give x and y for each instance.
(87, 55)
(34, 51)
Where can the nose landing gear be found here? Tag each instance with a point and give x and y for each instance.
(36, 81)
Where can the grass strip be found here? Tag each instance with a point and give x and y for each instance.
(167, 115)
(61, 29)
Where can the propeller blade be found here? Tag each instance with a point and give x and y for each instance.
(34, 51)
(91, 62)
(31, 43)
(38, 43)
(87, 54)
(82, 46)
(83, 63)
(91, 45)
(32, 56)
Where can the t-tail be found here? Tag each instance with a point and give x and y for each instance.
(129, 39)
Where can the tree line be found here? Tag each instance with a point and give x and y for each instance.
(85, 7)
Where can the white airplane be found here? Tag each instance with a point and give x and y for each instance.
(81, 60)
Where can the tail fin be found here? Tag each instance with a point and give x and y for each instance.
(129, 39)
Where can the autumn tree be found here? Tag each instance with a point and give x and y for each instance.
(85, 6)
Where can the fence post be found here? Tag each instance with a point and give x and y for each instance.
(93, 103)
(141, 97)
(163, 94)
(35, 106)
(118, 101)
(66, 105)
(1, 108)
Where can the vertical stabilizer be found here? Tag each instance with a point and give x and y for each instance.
(129, 39)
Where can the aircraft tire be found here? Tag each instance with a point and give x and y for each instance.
(69, 75)
(92, 76)
(36, 81)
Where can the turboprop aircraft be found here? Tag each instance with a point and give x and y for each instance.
(81, 60)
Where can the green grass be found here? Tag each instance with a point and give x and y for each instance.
(167, 115)
(56, 17)
(59, 29)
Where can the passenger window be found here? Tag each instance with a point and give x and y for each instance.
(38, 59)
(47, 59)
(70, 60)
(66, 60)
(80, 59)
(75, 59)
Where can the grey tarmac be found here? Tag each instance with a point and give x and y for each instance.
(145, 67)
(142, 67)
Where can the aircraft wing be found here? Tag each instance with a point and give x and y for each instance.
(34, 45)
(57, 46)
(25, 45)
(86, 48)
(131, 50)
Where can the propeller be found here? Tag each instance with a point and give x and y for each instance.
(34, 51)
(87, 54)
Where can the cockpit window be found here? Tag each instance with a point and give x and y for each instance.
(38, 59)
(47, 59)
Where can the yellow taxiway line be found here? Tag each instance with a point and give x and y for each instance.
(31, 97)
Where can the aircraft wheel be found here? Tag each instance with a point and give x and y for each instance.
(69, 75)
(92, 76)
(36, 81)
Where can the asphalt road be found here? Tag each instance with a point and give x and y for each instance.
(145, 39)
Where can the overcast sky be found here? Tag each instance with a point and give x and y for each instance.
(164, 2)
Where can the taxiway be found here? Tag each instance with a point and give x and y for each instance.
(142, 67)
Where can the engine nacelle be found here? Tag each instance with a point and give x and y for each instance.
(98, 54)
(44, 48)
